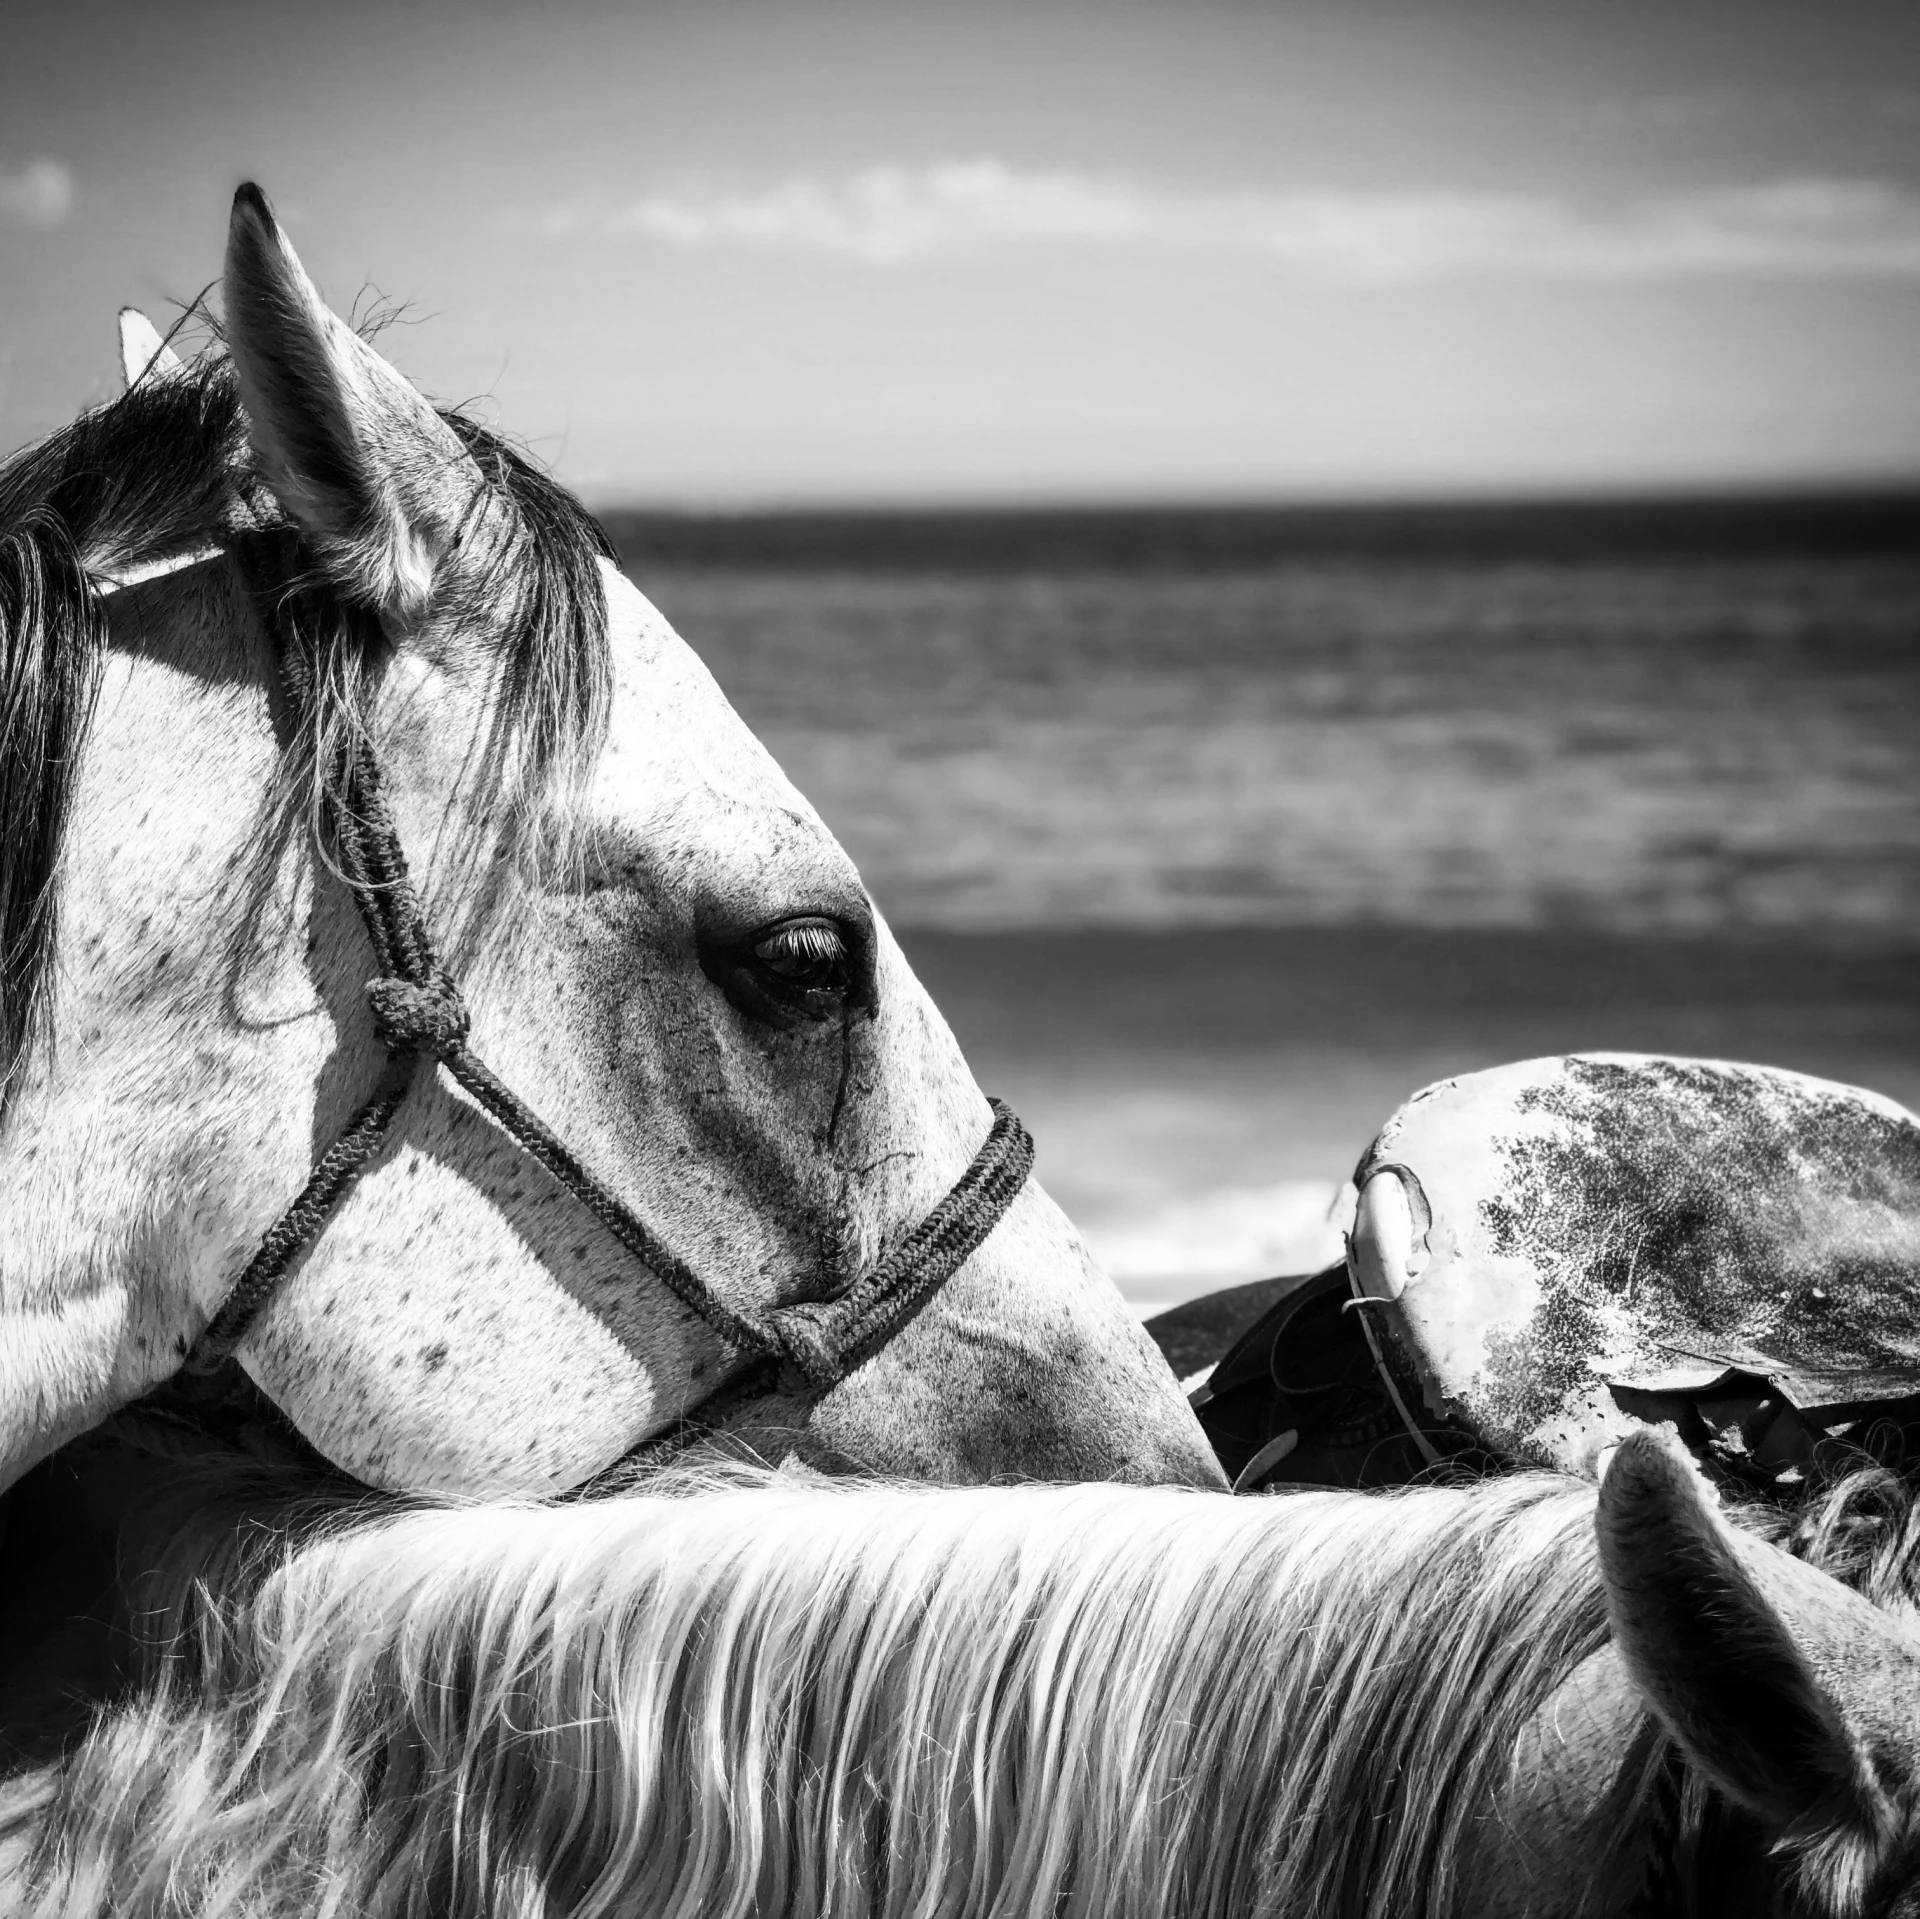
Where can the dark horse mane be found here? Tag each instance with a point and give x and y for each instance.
(167, 469)
(1860, 1526)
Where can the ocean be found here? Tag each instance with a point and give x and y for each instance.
(1217, 833)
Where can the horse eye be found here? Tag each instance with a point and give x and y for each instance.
(804, 971)
(807, 953)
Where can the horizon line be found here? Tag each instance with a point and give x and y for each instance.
(1832, 489)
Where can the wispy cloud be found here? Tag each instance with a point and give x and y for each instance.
(884, 215)
(37, 195)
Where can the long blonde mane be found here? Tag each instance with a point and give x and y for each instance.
(822, 1700)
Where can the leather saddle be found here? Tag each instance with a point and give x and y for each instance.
(1299, 1397)
(1291, 1391)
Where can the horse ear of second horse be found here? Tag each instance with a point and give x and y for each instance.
(1770, 1675)
(143, 353)
(352, 451)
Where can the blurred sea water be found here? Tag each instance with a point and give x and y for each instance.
(1215, 836)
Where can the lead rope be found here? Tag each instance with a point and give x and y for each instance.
(421, 1017)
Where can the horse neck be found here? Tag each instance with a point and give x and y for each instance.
(1087, 1700)
(167, 1044)
(1587, 1818)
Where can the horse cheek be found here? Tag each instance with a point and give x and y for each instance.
(425, 1347)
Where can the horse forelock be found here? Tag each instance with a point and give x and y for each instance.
(868, 1700)
(1864, 1529)
(166, 468)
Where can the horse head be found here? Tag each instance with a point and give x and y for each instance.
(1779, 1771)
(661, 949)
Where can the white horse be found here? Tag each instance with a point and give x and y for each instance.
(252, 570)
(873, 1702)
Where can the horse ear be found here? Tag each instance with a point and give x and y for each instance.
(142, 351)
(350, 448)
(1713, 1654)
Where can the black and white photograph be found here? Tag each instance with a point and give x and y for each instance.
(960, 959)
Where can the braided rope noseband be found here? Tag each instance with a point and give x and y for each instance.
(420, 1016)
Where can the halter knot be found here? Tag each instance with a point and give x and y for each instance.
(808, 1362)
(414, 1015)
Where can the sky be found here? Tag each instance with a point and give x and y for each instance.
(744, 252)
